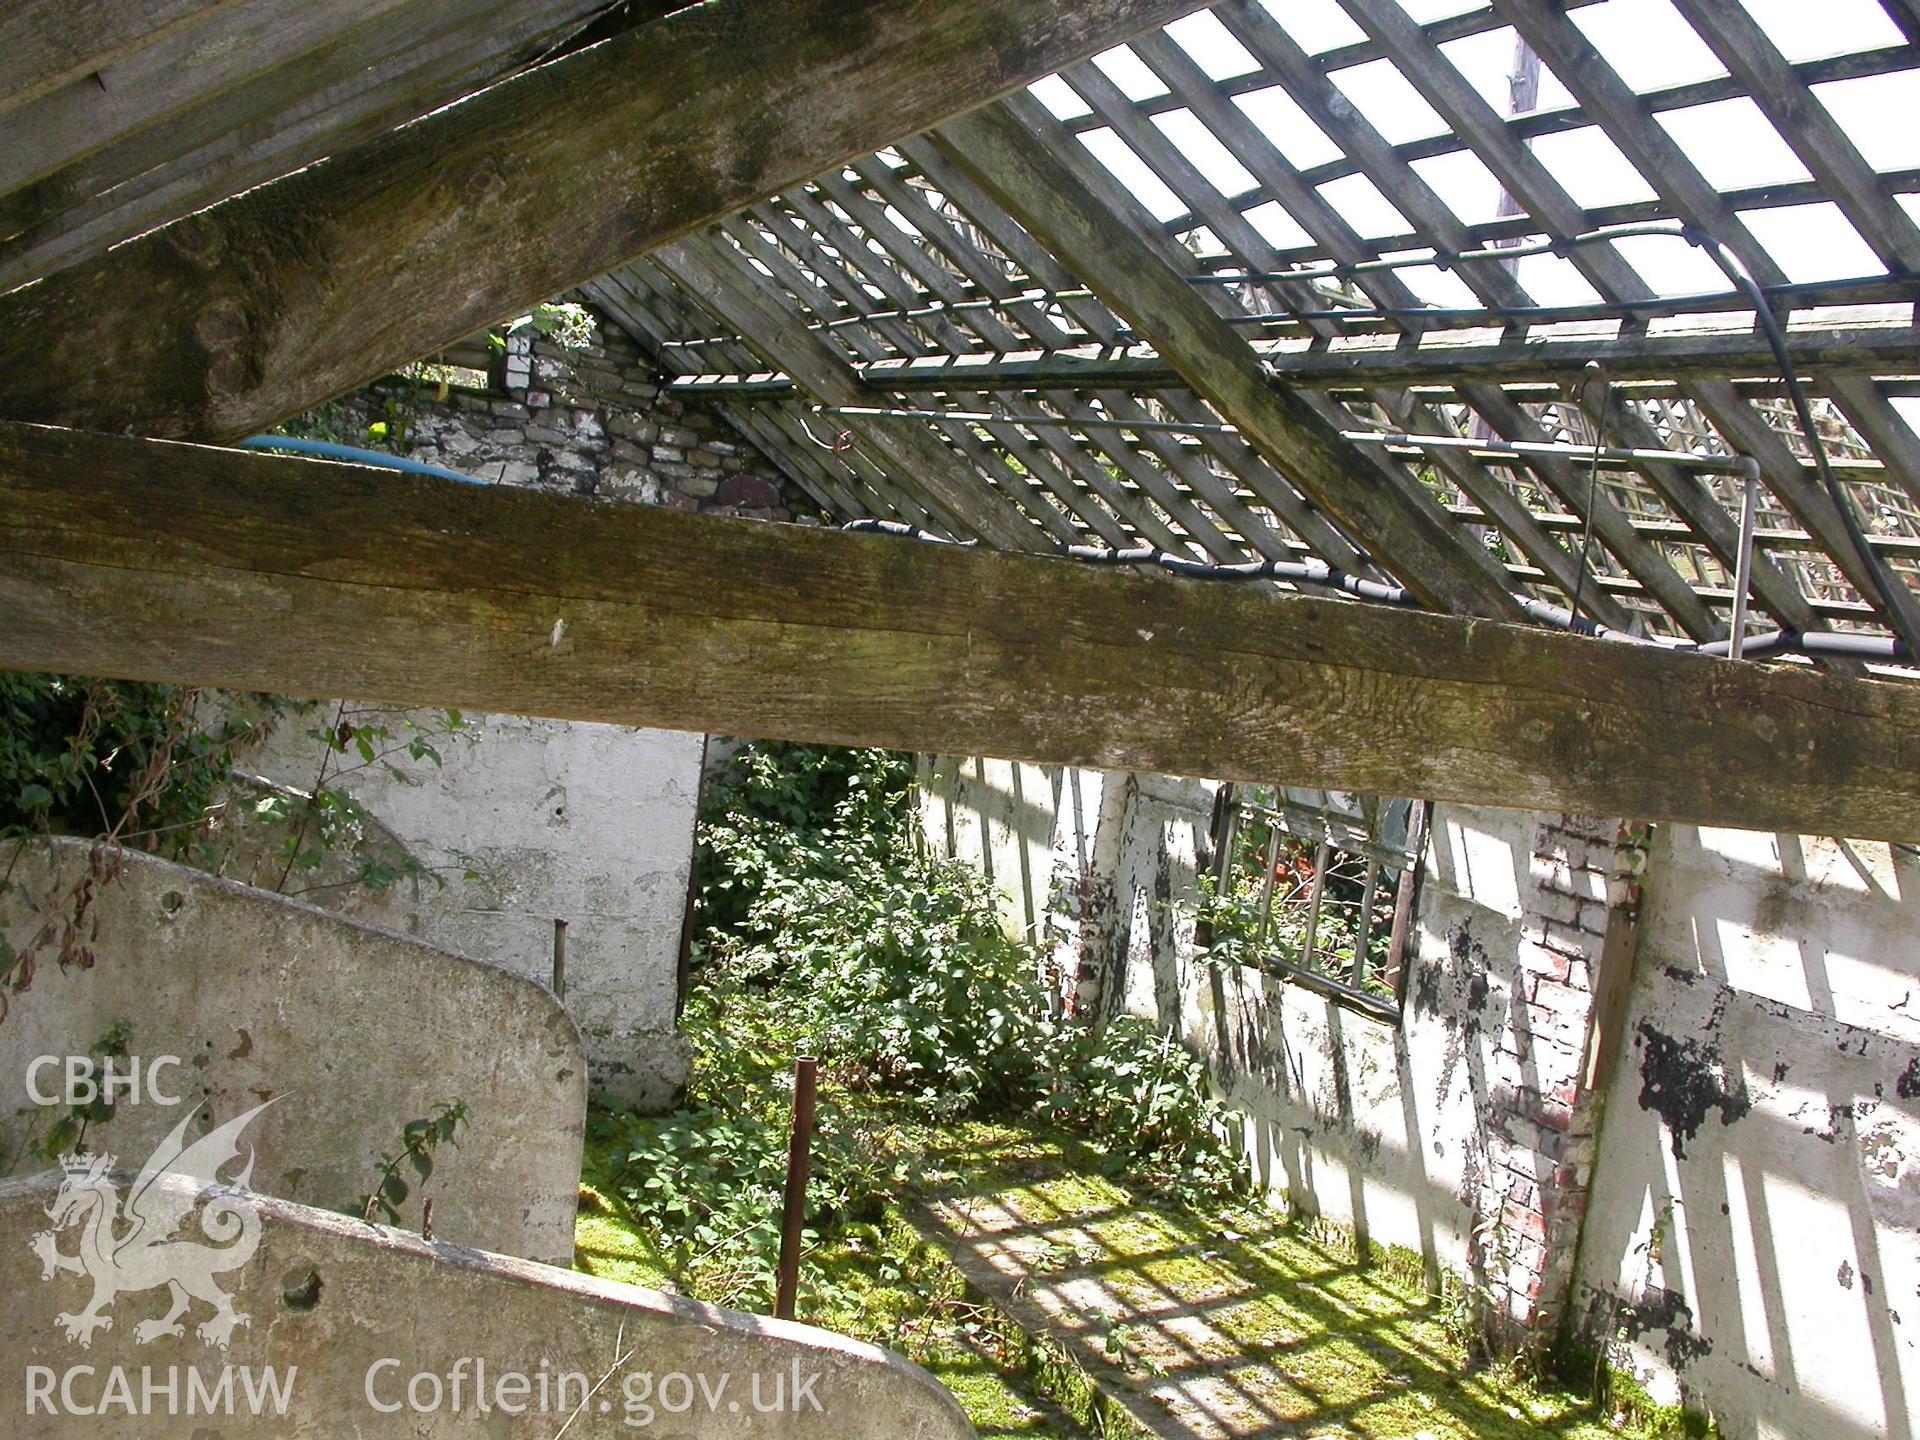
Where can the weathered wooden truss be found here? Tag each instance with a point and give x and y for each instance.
(967, 320)
(926, 278)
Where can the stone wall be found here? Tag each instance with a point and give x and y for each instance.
(591, 421)
(1656, 1090)
(350, 1031)
(590, 824)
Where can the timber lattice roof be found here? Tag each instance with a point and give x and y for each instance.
(1334, 186)
(1317, 282)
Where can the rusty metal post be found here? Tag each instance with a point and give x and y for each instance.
(793, 1217)
(560, 959)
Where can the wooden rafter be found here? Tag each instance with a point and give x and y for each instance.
(706, 267)
(44, 44)
(947, 302)
(1856, 350)
(904, 283)
(326, 279)
(211, 111)
(1108, 245)
(1806, 125)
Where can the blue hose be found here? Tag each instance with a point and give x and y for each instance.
(327, 450)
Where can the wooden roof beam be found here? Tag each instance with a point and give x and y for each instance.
(45, 44)
(230, 320)
(157, 561)
(219, 138)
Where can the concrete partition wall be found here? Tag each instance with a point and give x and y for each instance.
(527, 822)
(1049, 841)
(351, 1031)
(1754, 1229)
(328, 1329)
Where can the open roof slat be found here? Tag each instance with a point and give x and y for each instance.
(717, 273)
(1095, 228)
(988, 307)
(1317, 97)
(1807, 126)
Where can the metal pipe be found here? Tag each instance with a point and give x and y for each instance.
(1888, 591)
(936, 308)
(1395, 978)
(1743, 559)
(352, 455)
(1448, 316)
(1058, 422)
(793, 1213)
(1893, 288)
(1316, 893)
(1363, 926)
(1897, 286)
(1486, 449)
(1547, 245)
(1546, 449)
(1272, 866)
(1851, 645)
(932, 310)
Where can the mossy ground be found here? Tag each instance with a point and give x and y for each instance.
(875, 1282)
(1286, 1326)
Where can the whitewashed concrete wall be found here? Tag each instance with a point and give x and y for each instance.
(352, 1032)
(1692, 1061)
(1000, 815)
(1754, 1231)
(591, 824)
(1370, 1124)
(374, 1334)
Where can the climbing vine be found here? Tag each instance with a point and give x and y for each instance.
(420, 1140)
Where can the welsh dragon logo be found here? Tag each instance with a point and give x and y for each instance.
(128, 1244)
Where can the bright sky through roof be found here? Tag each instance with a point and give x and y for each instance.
(1646, 41)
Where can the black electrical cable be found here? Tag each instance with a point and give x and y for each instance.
(1323, 576)
(1901, 648)
(1883, 582)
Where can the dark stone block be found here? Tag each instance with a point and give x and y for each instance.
(748, 492)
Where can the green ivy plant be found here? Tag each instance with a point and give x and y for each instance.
(140, 763)
(419, 1139)
(68, 1132)
(162, 768)
(327, 820)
